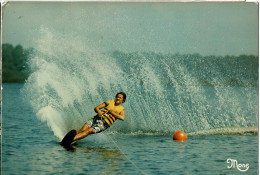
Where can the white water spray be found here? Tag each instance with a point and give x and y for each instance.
(69, 78)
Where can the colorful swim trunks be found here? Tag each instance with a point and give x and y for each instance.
(97, 123)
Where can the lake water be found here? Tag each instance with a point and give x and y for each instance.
(29, 146)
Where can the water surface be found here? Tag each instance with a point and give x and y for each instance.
(30, 147)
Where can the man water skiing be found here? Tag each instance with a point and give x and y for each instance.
(112, 110)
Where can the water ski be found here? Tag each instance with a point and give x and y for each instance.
(68, 139)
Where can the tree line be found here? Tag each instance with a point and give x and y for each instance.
(227, 70)
(14, 63)
(210, 70)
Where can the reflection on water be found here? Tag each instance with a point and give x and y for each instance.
(106, 158)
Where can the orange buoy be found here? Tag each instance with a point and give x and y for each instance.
(180, 136)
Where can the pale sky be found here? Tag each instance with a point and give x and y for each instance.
(213, 28)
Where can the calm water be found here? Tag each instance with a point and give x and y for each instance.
(30, 147)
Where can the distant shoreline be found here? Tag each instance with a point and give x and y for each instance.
(242, 70)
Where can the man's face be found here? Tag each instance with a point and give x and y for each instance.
(119, 99)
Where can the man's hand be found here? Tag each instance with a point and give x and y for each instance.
(120, 116)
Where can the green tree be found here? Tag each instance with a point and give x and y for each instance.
(14, 63)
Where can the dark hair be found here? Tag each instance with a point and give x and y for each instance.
(122, 93)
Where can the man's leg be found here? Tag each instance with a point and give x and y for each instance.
(84, 128)
(84, 132)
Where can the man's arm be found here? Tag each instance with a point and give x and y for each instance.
(97, 109)
(120, 116)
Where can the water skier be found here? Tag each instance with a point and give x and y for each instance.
(112, 110)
